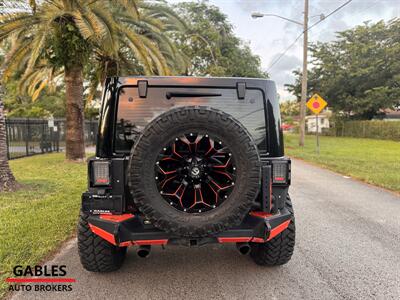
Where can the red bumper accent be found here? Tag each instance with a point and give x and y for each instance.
(273, 233)
(103, 234)
(144, 242)
(111, 239)
(234, 239)
(278, 229)
(128, 229)
(116, 218)
(260, 214)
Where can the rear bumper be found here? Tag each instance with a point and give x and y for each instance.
(128, 229)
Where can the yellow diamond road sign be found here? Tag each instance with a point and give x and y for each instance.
(316, 104)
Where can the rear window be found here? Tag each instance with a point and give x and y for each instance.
(134, 113)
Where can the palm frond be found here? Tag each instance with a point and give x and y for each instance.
(84, 25)
(14, 23)
(37, 91)
(131, 6)
(157, 56)
(15, 60)
(135, 43)
(133, 34)
(165, 13)
(110, 40)
(36, 46)
(38, 79)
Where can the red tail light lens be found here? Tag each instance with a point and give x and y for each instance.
(101, 173)
(279, 172)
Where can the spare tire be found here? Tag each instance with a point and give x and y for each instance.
(194, 171)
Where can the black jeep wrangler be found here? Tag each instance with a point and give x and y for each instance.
(187, 161)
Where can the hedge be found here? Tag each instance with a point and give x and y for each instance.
(385, 130)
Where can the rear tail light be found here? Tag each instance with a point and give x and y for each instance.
(279, 172)
(101, 173)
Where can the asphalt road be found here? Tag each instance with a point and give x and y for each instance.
(347, 247)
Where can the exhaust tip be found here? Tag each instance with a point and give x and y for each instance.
(243, 248)
(143, 251)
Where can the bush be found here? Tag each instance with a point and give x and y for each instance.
(384, 130)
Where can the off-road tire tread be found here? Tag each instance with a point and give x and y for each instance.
(279, 250)
(160, 123)
(96, 254)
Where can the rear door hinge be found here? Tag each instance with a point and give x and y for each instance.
(241, 90)
(142, 88)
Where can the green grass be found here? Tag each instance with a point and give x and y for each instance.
(373, 161)
(35, 220)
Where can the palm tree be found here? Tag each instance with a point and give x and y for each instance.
(157, 22)
(65, 34)
(7, 180)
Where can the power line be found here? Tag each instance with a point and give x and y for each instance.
(330, 14)
(301, 34)
(284, 52)
(357, 12)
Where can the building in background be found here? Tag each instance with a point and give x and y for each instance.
(390, 115)
(323, 122)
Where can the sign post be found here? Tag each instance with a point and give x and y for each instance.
(317, 134)
(316, 104)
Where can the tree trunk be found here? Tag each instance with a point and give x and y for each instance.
(7, 180)
(75, 143)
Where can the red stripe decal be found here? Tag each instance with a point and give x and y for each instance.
(126, 244)
(116, 218)
(234, 239)
(257, 240)
(260, 214)
(151, 242)
(103, 234)
(278, 229)
(143, 242)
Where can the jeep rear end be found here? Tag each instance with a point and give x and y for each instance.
(188, 161)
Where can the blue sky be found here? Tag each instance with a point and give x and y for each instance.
(269, 37)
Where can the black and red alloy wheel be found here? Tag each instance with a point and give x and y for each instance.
(195, 172)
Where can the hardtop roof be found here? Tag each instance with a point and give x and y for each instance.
(196, 81)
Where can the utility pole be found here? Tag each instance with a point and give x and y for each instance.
(256, 15)
(304, 77)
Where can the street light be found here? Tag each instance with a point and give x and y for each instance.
(257, 15)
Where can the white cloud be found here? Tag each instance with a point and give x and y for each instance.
(284, 74)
